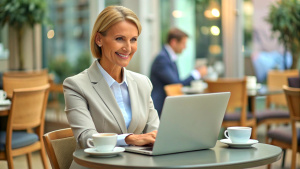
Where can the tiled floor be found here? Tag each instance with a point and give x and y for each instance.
(51, 124)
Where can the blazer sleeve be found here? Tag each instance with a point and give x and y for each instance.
(153, 120)
(76, 108)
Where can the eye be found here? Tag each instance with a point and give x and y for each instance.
(133, 39)
(119, 38)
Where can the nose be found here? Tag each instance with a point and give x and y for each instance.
(126, 46)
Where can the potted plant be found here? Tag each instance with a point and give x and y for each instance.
(21, 13)
(284, 17)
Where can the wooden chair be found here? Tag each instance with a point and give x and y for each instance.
(287, 137)
(55, 90)
(27, 112)
(60, 145)
(279, 113)
(173, 89)
(26, 73)
(238, 100)
(275, 80)
(19, 79)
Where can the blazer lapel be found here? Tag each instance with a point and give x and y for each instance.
(133, 94)
(103, 90)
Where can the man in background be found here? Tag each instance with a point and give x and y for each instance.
(164, 69)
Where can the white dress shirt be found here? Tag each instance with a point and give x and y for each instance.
(121, 93)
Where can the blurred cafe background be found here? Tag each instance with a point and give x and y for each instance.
(233, 38)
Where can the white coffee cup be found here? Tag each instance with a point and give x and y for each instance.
(251, 82)
(238, 134)
(2, 95)
(103, 142)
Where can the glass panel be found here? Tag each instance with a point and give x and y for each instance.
(205, 42)
(209, 46)
(66, 42)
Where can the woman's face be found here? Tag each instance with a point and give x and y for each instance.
(118, 45)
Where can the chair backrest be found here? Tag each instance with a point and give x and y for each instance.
(60, 145)
(28, 107)
(173, 89)
(275, 80)
(26, 73)
(293, 99)
(294, 82)
(15, 80)
(237, 87)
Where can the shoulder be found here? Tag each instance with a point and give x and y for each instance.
(76, 79)
(138, 78)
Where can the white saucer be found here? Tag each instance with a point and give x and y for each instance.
(239, 145)
(5, 103)
(92, 151)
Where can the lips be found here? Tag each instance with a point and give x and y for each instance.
(122, 55)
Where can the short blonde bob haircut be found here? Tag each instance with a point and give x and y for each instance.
(106, 19)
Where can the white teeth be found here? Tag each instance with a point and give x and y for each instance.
(124, 56)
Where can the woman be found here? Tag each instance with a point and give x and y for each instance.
(106, 97)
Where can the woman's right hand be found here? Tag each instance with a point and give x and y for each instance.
(141, 139)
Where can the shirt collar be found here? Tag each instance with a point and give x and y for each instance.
(171, 52)
(110, 81)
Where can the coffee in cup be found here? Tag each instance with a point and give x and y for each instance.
(2, 95)
(238, 134)
(103, 142)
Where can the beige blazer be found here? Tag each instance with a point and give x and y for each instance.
(91, 106)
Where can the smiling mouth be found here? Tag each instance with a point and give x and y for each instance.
(122, 56)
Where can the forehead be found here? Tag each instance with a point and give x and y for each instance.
(124, 27)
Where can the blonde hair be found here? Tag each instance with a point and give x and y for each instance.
(106, 19)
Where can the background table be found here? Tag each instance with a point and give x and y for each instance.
(218, 157)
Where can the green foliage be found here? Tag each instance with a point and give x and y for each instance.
(20, 12)
(61, 68)
(284, 17)
(82, 62)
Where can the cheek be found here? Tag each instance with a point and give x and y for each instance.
(134, 48)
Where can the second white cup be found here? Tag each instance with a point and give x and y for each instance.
(238, 134)
(103, 142)
(2, 95)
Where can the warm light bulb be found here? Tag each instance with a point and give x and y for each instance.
(207, 14)
(177, 14)
(215, 12)
(215, 30)
(50, 34)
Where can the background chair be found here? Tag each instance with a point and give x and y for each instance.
(173, 89)
(238, 100)
(27, 112)
(55, 91)
(294, 82)
(60, 145)
(288, 137)
(22, 79)
(276, 107)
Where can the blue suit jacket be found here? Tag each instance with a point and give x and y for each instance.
(164, 72)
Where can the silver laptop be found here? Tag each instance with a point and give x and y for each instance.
(188, 122)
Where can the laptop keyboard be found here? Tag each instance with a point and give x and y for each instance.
(147, 148)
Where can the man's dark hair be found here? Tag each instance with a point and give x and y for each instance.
(177, 34)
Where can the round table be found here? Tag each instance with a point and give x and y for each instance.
(218, 157)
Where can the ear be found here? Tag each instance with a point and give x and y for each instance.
(98, 39)
(173, 42)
